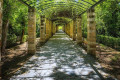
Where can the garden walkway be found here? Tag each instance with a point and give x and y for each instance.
(60, 59)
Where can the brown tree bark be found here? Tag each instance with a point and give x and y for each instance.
(23, 31)
(4, 35)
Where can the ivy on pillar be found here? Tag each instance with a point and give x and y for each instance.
(42, 29)
(79, 30)
(91, 32)
(31, 30)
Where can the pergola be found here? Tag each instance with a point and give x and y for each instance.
(57, 12)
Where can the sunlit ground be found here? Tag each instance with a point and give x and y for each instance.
(61, 59)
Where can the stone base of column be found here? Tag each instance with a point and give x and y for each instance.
(91, 49)
(31, 52)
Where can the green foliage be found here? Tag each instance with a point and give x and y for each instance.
(25, 37)
(84, 34)
(107, 40)
(12, 38)
(108, 18)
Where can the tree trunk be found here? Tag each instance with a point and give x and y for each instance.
(4, 35)
(21, 40)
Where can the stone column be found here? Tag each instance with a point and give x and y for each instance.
(74, 29)
(50, 27)
(42, 29)
(69, 29)
(54, 26)
(47, 29)
(79, 30)
(31, 31)
(91, 32)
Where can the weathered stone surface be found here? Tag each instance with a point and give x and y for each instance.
(31, 31)
(79, 30)
(47, 29)
(74, 29)
(91, 35)
(42, 29)
(71, 29)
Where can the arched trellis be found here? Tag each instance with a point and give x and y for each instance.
(48, 26)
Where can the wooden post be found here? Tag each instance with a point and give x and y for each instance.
(42, 29)
(79, 30)
(31, 31)
(91, 32)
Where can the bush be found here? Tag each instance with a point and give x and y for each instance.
(84, 34)
(107, 40)
(11, 40)
(25, 37)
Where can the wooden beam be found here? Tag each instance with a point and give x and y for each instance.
(100, 1)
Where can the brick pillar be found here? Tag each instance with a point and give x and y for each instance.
(74, 29)
(42, 29)
(31, 31)
(54, 26)
(50, 27)
(69, 29)
(1, 3)
(47, 29)
(79, 30)
(91, 32)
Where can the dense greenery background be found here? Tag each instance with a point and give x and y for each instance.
(107, 19)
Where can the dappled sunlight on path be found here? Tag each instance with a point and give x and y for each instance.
(60, 59)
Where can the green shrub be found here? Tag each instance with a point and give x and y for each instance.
(11, 40)
(25, 37)
(107, 40)
(84, 34)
